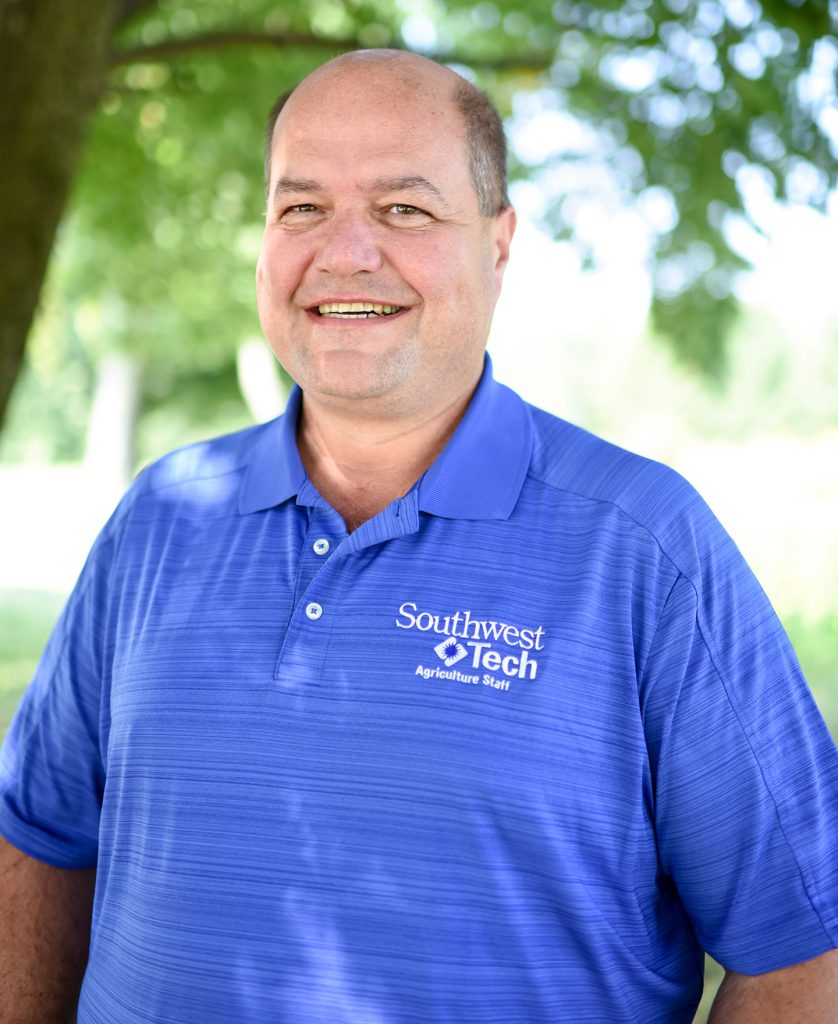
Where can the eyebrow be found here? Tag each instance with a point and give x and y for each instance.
(400, 183)
(285, 185)
(409, 183)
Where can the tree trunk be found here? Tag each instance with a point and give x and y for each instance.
(52, 66)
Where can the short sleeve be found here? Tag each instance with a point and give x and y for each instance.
(745, 775)
(51, 764)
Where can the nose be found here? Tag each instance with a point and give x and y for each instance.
(348, 245)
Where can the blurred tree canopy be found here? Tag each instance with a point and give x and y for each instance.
(153, 111)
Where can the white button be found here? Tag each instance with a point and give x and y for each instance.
(321, 546)
(314, 610)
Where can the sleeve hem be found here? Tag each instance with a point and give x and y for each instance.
(779, 962)
(35, 843)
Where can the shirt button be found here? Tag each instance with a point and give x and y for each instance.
(321, 546)
(314, 610)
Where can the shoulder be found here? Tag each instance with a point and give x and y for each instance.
(201, 461)
(646, 495)
(204, 477)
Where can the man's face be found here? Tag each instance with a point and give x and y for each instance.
(378, 275)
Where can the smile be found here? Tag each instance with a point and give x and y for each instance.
(356, 310)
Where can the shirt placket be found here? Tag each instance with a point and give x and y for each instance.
(325, 569)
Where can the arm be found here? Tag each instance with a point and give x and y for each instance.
(44, 938)
(806, 993)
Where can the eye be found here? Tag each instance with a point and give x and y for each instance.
(406, 215)
(299, 211)
(406, 210)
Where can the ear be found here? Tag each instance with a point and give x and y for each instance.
(503, 229)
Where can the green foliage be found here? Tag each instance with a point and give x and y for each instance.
(713, 977)
(210, 405)
(158, 251)
(681, 96)
(50, 404)
(26, 618)
(673, 101)
(816, 646)
(167, 213)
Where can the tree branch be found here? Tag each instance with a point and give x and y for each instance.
(125, 10)
(172, 48)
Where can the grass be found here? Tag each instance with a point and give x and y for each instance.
(817, 648)
(713, 975)
(26, 618)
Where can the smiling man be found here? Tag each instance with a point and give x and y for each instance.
(378, 251)
(416, 704)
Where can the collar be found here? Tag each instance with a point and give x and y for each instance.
(274, 472)
(480, 472)
(478, 475)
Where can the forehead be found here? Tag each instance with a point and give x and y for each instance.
(365, 88)
(392, 123)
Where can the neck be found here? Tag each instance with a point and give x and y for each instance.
(360, 465)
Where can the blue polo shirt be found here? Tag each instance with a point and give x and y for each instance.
(517, 749)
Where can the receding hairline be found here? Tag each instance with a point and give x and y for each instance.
(417, 72)
(414, 65)
(484, 131)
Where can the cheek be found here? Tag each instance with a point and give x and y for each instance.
(272, 292)
(263, 289)
(465, 271)
(463, 288)
(264, 270)
(440, 274)
(280, 266)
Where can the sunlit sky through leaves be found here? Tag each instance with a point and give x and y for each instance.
(794, 249)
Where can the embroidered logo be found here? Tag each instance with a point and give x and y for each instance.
(490, 645)
(450, 651)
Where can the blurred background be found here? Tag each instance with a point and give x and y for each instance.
(673, 283)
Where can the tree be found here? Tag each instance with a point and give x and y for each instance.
(680, 97)
(52, 60)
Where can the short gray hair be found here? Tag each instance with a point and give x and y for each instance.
(486, 144)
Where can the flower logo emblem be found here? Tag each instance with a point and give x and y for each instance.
(450, 651)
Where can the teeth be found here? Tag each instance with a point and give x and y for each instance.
(354, 310)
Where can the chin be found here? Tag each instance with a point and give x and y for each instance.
(356, 375)
(351, 390)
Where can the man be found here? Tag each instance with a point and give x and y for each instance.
(416, 704)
